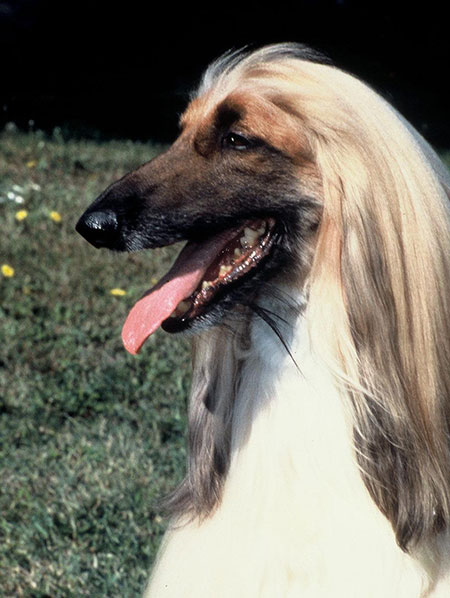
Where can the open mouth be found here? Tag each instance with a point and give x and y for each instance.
(235, 260)
(202, 274)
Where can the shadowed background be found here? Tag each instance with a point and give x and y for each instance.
(124, 69)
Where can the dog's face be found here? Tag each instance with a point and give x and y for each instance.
(239, 184)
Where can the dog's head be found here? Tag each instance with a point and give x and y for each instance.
(290, 170)
(239, 184)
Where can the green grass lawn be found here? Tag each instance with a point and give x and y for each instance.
(90, 437)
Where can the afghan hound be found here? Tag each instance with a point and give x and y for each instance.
(316, 278)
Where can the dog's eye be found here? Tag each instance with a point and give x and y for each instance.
(236, 141)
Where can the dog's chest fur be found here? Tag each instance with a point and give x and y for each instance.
(295, 519)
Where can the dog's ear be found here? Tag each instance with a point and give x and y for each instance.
(210, 417)
(380, 285)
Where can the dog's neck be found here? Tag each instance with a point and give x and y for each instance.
(287, 401)
(293, 505)
(293, 475)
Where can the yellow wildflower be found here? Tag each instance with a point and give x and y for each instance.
(55, 216)
(31, 163)
(7, 271)
(21, 215)
(118, 292)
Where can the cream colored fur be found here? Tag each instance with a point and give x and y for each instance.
(307, 527)
(295, 518)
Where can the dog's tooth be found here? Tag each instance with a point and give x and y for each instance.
(182, 307)
(237, 252)
(250, 235)
(262, 229)
(206, 284)
(224, 270)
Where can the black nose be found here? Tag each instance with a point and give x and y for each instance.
(100, 228)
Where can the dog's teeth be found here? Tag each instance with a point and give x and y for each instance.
(237, 252)
(206, 284)
(224, 270)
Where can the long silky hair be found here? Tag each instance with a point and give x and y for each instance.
(378, 291)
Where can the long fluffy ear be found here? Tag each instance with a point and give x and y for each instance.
(380, 288)
(216, 364)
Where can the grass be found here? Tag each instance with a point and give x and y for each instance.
(90, 437)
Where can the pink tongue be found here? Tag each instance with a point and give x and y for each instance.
(178, 284)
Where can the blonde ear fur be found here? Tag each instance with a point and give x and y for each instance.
(380, 289)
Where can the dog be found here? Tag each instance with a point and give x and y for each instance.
(316, 283)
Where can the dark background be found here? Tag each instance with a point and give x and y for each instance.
(125, 69)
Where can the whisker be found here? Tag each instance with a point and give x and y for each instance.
(268, 317)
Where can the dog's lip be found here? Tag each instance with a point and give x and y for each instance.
(216, 280)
